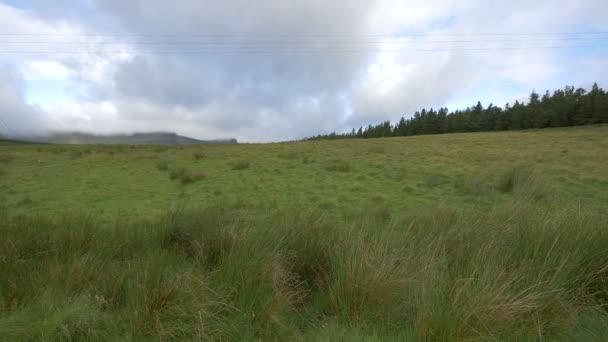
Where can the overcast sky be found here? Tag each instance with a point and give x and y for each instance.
(272, 70)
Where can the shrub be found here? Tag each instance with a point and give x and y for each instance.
(240, 165)
(338, 166)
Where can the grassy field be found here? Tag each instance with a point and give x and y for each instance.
(484, 236)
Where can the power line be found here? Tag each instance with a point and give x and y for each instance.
(305, 35)
(198, 52)
(304, 42)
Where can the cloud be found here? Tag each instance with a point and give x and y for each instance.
(17, 117)
(264, 96)
(44, 70)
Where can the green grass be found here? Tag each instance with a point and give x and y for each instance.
(489, 236)
(338, 166)
(240, 165)
(185, 176)
(6, 157)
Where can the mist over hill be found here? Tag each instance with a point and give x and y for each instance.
(156, 138)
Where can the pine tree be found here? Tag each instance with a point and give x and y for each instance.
(565, 107)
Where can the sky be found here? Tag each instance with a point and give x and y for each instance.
(274, 70)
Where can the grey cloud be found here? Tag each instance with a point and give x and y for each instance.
(241, 17)
(168, 82)
(295, 91)
(239, 91)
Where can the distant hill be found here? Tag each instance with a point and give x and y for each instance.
(7, 141)
(160, 138)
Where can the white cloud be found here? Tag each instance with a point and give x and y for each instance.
(40, 70)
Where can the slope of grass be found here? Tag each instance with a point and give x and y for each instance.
(462, 237)
(341, 177)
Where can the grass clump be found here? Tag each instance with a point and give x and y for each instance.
(214, 274)
(75, 154)
(207, 236)
(474, 186)
(7, 157)
(162, 165)
(432, 180)
(24, 202)
(377, 149)
(177, 173)
(288, 155)
(338, 166)
(159, 149)
(193, 177)
(523, 182)
(240, 165)
(185, 176)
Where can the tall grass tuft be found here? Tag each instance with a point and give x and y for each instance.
(523, 182)
(7, 157)
(162, 165)
(338, 166)
(240, 165)
(185, 176)
(75, 155)
(159, 149)
(521, 270)
(288, 155)
(206, 236)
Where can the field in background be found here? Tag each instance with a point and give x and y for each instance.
(476, 236)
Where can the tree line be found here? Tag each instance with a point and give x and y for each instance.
(564, 107)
